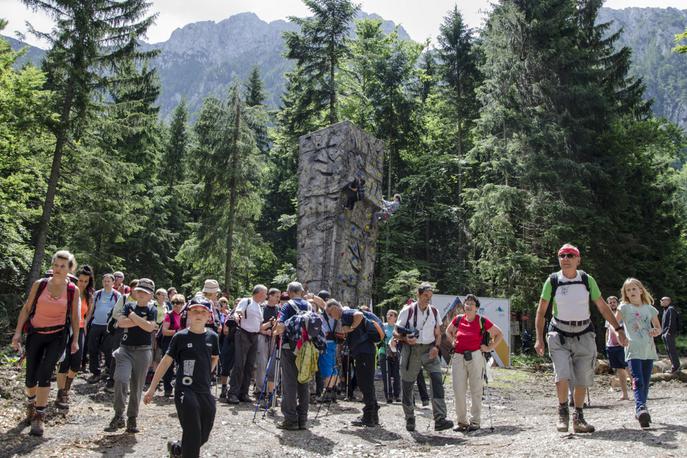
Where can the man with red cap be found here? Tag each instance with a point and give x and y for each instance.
(571, 337)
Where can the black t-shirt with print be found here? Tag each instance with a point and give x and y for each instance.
(269, 312)
(136, 335)
(192, 354)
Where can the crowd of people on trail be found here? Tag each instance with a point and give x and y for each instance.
(294, 348)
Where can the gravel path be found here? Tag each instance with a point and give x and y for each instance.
(523, 409)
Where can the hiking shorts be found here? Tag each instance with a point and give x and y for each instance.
(327, 360)
(616, 357)
(574, 358)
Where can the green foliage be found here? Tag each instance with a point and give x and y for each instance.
(680, 48)
(400, 288)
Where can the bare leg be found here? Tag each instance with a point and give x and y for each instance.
(622, 378)
(562, 389)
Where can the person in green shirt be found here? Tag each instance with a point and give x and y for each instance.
(571, 337)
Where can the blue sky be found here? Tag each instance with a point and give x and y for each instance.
(421, 18)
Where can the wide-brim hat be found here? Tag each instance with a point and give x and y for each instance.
(211, 286)
(146, 285)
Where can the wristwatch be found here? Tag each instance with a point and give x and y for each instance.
(620, 328)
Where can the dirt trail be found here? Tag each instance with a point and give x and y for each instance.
(523, 409)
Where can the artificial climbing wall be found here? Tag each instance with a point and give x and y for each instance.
(337, 246)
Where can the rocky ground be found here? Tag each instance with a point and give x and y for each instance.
(523, 412)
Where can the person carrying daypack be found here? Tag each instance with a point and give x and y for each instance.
(472, 335)
(419, 329)
(362, 331)
(571, 337)
(295, 395)
(103, 303)
(171, 324)
(46, 318)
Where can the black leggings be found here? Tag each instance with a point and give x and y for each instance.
(196, 412)
(72, 360)
(42, 353)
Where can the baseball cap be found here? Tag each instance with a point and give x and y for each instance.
(200, 302)
(324, 294)
(119, 274)
(425, 287)
(211, 286)
(146, 285)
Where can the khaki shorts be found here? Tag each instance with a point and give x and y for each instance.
(575, 359)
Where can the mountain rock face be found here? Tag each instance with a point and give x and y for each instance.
(204, 58)
(650, 33)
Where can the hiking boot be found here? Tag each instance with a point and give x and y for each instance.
(30, 412)
(109, 386)
(174, 448)
(131, 425)
(223, 394)
(37, 424)
(473, 427)
(563, 419)
(95, 378)
(643, 417)
(579, 424)
(169, 394)
(462, 427)
(62, 400)
(425, 402)
(116, 423)
(288, 425)
(245, 399)
(365, 420)
(410, 424)
(233, 399)
(375, 417)
(302, 423)
(389, 401)
(442, 424)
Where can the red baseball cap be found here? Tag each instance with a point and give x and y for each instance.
(568, 248)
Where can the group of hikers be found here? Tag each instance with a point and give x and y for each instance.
(135, 337)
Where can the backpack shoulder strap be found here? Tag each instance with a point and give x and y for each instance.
(553, 279)
(585, 279)
(436, 314)
(41, 287)
(71, 292)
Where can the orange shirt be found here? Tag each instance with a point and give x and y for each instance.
(50, 311)
(84, 311)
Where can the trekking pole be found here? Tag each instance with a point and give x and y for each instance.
(326, 389)
(264, 385)
(488, 396)
(589, 401)
(277, 374)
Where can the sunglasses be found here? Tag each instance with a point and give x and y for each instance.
(177, 302)
(566, 255)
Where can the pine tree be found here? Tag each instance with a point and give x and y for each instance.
(318, 49)
(91, 38)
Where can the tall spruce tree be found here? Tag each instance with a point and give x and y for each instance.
(90, 39)
(318, 49)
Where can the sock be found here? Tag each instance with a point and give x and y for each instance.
(40, 409)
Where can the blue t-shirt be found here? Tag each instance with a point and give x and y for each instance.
(358, 341)
(104, 302)
(287, 310)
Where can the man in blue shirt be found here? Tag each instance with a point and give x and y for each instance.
(103, 303)
(295, 396)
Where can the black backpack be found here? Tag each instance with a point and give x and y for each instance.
(111, 321)
(374, 327)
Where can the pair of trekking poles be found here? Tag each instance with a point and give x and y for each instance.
(274, 358)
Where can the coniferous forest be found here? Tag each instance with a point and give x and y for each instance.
(504, 142)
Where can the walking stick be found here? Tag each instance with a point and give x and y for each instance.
(488, 396)
(277, 374)
(264, 385)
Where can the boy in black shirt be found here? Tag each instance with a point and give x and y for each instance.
(134, 355)
(196, 352)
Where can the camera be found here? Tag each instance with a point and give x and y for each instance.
(407, 332)
(467, 356)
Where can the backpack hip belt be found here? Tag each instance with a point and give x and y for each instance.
(573, 323)
(563, 334)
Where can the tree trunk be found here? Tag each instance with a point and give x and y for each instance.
(233, 193)
(41, 234)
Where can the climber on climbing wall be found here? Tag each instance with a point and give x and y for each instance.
(389, 207)
(354, 191)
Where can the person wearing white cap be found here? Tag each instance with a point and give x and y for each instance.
(211, 292)
(134, 355)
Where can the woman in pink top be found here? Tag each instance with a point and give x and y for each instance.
(47, 320)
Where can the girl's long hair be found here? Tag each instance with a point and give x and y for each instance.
(645, 295)
(88, 292)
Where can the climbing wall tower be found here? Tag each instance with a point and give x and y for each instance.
(337, 246)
